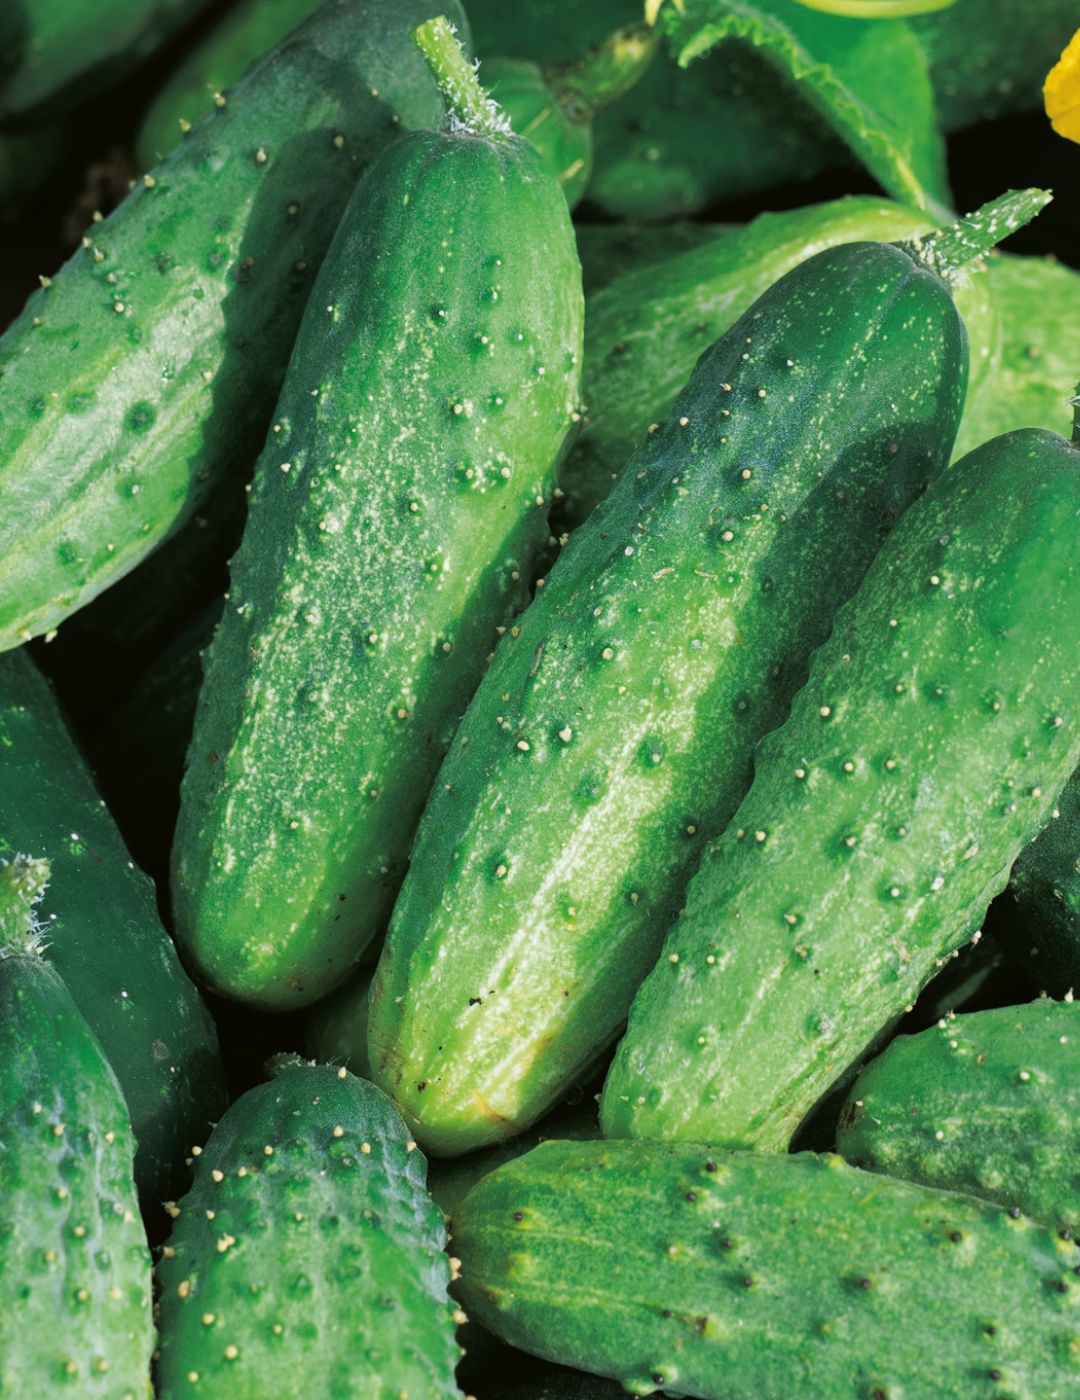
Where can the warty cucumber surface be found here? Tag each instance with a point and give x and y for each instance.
(739, 1276)
(986, 1103)
(939, 723)
(105, 936)
(307, 1258)
(612, 737)
(399, 500)
(75, 1304)
(146, 368)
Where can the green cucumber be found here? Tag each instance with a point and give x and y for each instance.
(307, 1257)
(53, 53)
(645, 331)
(939, 723)
(335, 1030)
(245, 32)
(75, 1314)
(1045, 887)
(747, 1277)
(612, 737)
(145, 370)
(391, 527)
(987, 1104)
(105, 934)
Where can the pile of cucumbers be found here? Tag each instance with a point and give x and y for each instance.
(539, 752)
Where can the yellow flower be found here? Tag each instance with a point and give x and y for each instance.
(1061, 91)
(877, 9)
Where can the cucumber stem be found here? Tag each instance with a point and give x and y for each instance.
(468, 105)
(949, 249)
(22, 883)
(605, 73)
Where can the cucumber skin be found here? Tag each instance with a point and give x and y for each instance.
(645, 331)
(244, 34)
(320, 1261)
(436, 375)
(105, 935)
(54, 53)
(100, 469)
(71, 1223)
(747, 1277)
(987, 1104)
(768, 952)
(543, 879)
(1045, 887)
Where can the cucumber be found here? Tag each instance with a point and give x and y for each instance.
(940, 721)
(645, 331)
(987, 1104)
(243, 34)
(53, 53)
(1045, 887)
(612, 737)
(335, 1030)
(307, 1257)
(75, 1315)
(391, 528)
(105, 935)
(146, 369)
(670, 1266)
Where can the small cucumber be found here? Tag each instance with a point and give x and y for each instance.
(75, 1316)
(105, 934)
(987, 1104)
(645, 331)
(395, 512)
(307, 1257)
(1045, 886)
(612, 737)
(939, 723)
(737, 1276)
(145, 370)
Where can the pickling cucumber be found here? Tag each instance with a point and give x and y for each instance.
(105, 935)
(739, 1276)
(940, 721)
(396, 508)
(145, 370)
(987, 1104)
(307, 1258)
(612, 737)
(75, 1316)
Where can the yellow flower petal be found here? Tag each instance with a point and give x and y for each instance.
(877, 9)
(1061, 91)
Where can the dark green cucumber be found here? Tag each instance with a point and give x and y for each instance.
(987, 1104)
(245, 32)
(391, 527)
(645, 331)
(744, 1277)
(1045, 886)
(105, 935)
(145, 370)
(75, 1316)
(53, 53)
(335, 1030)
(307, 1257)
(939, 723)
(612, 737)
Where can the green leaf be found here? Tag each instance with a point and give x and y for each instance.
(870, 82)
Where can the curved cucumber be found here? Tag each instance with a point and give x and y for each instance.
(747, 1277)
(105, 935)
(940, 721)
(393, 519)
(645, 331)
(245, 33)
(75, 1314)
(307, 1257)
(146, 369)
(987, 1104)
(612, 737)
(1045, 885)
